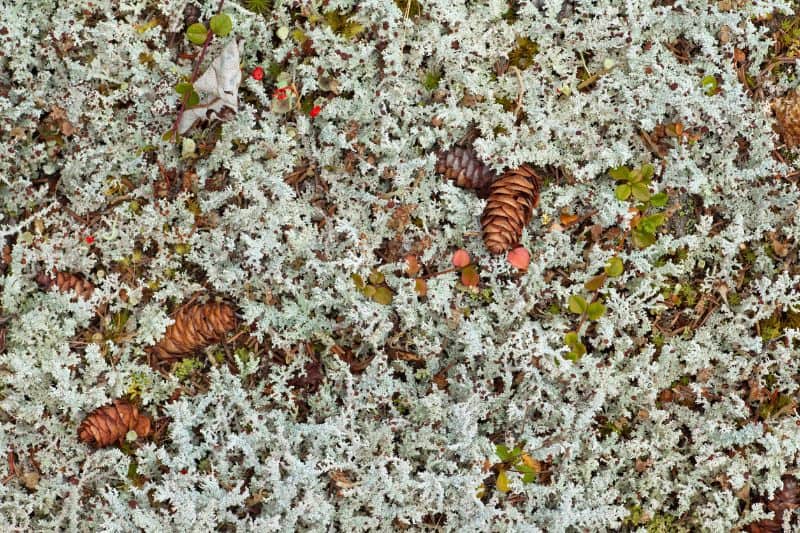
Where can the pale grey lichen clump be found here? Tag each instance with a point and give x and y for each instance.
(238, 453)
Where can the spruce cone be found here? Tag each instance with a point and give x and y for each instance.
(787, 111)
(195, 327)
(785, 499)
(112, 422)
(67, 282)
(463, 166)
(512, 199)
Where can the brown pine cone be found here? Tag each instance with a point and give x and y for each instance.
(787, 111)
(67, 282)
(787, 498)
(196, 326)
(512, 199)
(463, 166)
(111, 423)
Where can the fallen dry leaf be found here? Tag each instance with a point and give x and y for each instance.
(219, 89)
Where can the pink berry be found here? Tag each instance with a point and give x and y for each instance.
(519, 258)
(461, 258)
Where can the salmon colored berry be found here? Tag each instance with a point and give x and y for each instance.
(461, 258)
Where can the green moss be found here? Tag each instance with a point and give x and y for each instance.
(665, 523)
(341, 24)
(508, 103)
(184, 368)
(773, 327)
(410, 8)
(259, 7)
(431, 80)
(523, 53)
(512, 14)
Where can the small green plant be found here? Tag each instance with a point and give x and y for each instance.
(137, 384)
(514, 461)
(576, 348)
(377, 290)
(634, 183)
(710, 85)
(184, 368)
(431, 80)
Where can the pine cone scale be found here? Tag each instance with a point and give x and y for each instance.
(195, 328)
(461, 165)
(111, 423)
(512, 199)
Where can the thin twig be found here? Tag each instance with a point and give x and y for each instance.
(521, 91)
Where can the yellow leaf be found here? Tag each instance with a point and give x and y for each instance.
(421, 286)
(531, 462)
(502, 481)
(383, 296)
(595, 283)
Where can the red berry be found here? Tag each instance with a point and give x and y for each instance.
(460, 258)
(519, 258)
(258, 73)
(315, 111)
(280, 94)
(89, 239)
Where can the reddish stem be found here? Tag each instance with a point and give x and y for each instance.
(434, 274)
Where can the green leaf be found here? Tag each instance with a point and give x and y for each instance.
(383, 295)
(168, 135)
(571, 339)
(647, 171)
(622, 192)
(709, 84)
(595, 282)
(595, 310)
(642, 239)
(640, 191)
(576, 353)
(183, 88)
(659, 199)
(369, 291)
(525, 469)
(502, 481)
(614, 267)
(650, 224)
(529, 478)
(197, 33)
(193, 99)
(502, 452)
(577, 304)
(620, 173)
(221, 24)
